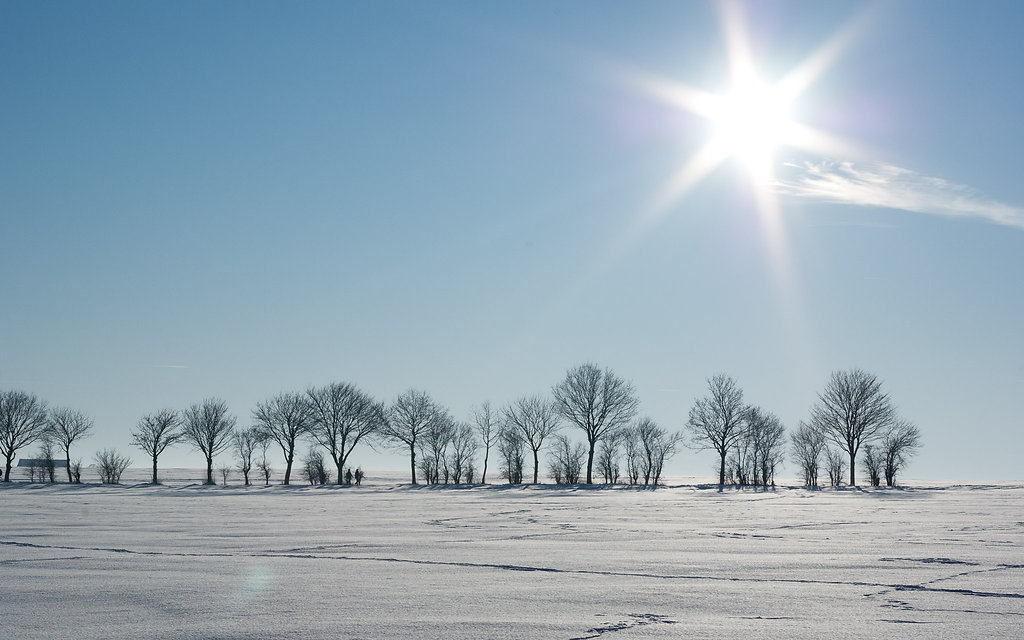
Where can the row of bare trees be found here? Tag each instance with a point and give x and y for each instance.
(335, 417)
(852, 413)
(25, 419)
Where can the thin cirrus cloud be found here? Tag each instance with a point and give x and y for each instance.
(892, 187)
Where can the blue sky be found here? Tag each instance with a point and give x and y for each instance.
(235, 199)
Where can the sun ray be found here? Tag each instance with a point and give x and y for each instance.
(741, 58)
(696, 169)
(807, 138)
(804, 74)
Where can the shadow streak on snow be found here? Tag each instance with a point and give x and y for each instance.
(635, 620)
(529, 568)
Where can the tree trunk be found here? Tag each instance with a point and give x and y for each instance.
(7, 471)
(721, 473)
(590, 464)
(483, 478)
(67, 461)
(412, 462)
(853, 456)
(536, 463)
(155, 481)
(209, 470)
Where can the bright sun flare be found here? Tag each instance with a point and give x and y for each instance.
(751, 123)
(753, 120)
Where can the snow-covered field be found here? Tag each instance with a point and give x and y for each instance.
(393, 561)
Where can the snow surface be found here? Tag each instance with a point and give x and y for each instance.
(387, 560)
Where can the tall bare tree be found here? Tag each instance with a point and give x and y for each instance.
(535, 418)
(65, 427)
(899, 444)
(284, 419)
(597, 401)
(208, 427)
(155, 432)
(717, 420)
(342, 416)
(807, 445)
(409, 418)
(486, 421)
(23, 420)
(852, 410)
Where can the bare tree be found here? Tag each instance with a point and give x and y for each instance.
(208, 427)
(767, 438)
(111, 465)
(263, 464)
(717, 420)
(634, 455)
(872, 462)
(65, 427)
(245, 443)
(314, 469)
(155, 432)
(225, 472)
(608, 456)
(411, 415)
(807, 443)
(655, 446)
(342, 416)
(76, 471)
(566, 463)
(47, 465)
(835, 465)
(510, 447)
(851, 411)
(284, 419)
(535, 418)
(899, 444)
(23, 420)
(433, 446)
(460, 455)
(596, 401)
(486, 422)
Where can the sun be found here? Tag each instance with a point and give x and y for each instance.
(752, 120)
(751, 123)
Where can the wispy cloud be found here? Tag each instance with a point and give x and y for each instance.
(885, 185)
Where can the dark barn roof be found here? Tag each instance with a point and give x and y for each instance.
(41, 462)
